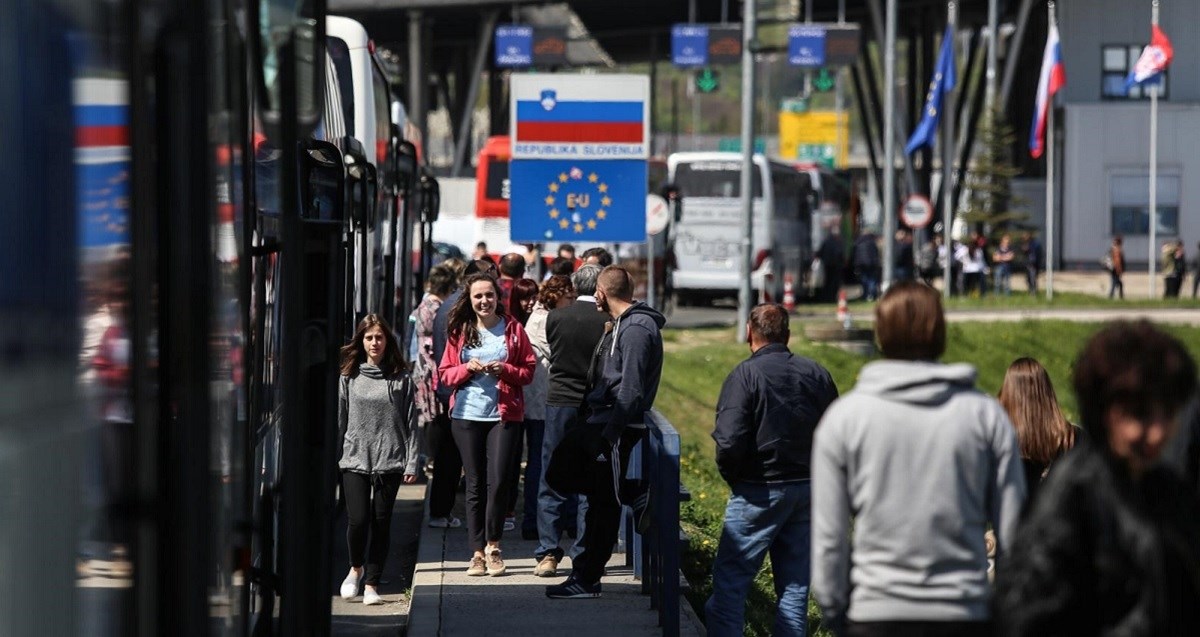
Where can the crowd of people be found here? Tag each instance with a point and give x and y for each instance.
(913, 503)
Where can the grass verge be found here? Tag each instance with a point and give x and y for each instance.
(697, 362)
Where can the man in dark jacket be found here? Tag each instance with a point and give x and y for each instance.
(833, 258)
(867, 264)
(617, 403)
(572, 333)
(766, 415)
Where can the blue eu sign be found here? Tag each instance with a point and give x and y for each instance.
(806, 45)
(578, 200)
(689, 45)
(514, 45)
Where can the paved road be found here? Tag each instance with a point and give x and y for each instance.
(697, 317)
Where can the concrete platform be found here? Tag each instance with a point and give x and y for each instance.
(446, 602)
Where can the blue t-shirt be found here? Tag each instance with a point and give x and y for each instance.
(479, 398)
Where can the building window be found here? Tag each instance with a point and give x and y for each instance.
(1129, 197)
(1117, 60)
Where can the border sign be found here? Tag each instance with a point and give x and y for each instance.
(917, 211)
(579, 150)
(689, 45)
(514, 45)
(813, 45)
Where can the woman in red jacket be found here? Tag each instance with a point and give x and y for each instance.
(487, 360)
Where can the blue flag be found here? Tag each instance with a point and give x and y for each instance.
(944, 79)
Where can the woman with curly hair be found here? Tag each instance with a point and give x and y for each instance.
(377, 421)
(488, 359)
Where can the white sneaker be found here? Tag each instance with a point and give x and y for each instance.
(371, 597)
(445, 523)
(350, 586)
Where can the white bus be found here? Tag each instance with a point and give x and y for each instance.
(708, 232)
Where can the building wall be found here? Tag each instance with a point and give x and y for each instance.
(1087, 25)
(1107, 139)
(1103, 140)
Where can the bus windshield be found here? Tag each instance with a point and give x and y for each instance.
(720, 179)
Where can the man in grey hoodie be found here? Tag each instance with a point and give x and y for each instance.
(922, 461)
(631, 358)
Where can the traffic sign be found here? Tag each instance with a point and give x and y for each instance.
(917, 211)
(707, 80)
(578, 200)
(658, 214)
(824, 82)
(724, 44)
(813, 44)
(689, 45)
(579, 148)
(514, 45)
(806, 45)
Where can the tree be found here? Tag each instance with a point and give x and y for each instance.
(990, 201)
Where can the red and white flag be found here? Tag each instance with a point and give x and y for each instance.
(1053, 77)
(1155, 59)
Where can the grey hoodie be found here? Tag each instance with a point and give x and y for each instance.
(376, 417)
(923, 462)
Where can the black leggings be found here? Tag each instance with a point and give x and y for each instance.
(487, 449)
(447, 467)
(357, 488)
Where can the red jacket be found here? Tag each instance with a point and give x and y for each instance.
(516, 372)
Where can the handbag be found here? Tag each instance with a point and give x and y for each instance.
(1107, 261)
(570, 465)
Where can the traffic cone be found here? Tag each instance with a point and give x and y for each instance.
(789, 294)
(843, 312)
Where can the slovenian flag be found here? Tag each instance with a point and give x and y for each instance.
(598, 122)
(1053, 77)
(1155, 59)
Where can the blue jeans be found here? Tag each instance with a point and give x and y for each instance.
(762, 518)
(553, 509)
(1003, 278)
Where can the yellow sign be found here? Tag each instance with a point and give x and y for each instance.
(814, 128)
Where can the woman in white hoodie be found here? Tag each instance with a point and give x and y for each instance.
(923, 462)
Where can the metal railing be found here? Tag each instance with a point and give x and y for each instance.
(655, 555)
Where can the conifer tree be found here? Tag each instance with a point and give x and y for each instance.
(990, 201)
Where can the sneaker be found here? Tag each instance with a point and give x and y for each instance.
(445, 523)
(477, 567)
(371, 596)
(350, 585)
(547, 567)
(495, 564)
(510, 523)
(573, 589)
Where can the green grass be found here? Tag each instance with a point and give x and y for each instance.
(697, 362)
(1023, 301)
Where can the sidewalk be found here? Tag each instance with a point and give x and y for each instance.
(352, 617)
(446, 602)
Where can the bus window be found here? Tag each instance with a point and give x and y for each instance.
(714, 179)
(339, 52)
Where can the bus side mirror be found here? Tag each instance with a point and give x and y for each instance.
(675, 200)
(323, 182)
(431, 197)
(406, 161)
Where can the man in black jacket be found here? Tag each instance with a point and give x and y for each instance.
(766, 415)
(617, 404)
(572, 333)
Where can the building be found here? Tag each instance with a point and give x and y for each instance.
(1105, 135)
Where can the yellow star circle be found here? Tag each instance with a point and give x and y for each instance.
(576, 201)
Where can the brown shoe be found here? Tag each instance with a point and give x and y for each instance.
(495, 564)
(548, 567)
(477, 567)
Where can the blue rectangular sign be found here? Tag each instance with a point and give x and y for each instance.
(577, 200)
(514, 45)
(689, 45)
(806, 45)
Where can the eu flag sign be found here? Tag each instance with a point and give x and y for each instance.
(578, 200)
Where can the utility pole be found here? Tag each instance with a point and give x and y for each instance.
(749, 26)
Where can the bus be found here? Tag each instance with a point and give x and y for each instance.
(707, 233)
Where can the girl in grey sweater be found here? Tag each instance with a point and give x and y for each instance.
(377, 424)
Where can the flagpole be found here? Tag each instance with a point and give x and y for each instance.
(1050, 189)
(1153, 88)
(889, 141)
(948, 152)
